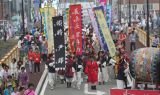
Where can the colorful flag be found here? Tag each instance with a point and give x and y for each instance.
(105, 31)
(77, 23)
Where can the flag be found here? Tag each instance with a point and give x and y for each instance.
(18, 24)
(4, 32)
(25, 21)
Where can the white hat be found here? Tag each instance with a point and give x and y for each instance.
(25, 37)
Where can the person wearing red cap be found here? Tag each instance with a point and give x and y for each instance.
(69, 73)
(91, 71)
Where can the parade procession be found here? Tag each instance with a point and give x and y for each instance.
(82, 47)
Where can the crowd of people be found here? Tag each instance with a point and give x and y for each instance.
(94, 63)
(14, 78)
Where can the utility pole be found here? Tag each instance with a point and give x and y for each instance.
(147, 23)
(23, 19)
(10, 11)
(120, 12)
(41, 16)
(130, 13)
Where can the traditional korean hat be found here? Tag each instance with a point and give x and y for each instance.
(119, 46)
(87, 51)
(50, 55)
(122, 49)
(91, 56)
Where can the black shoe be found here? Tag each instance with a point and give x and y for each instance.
(67, 85)
(99, 83)
(64, 79)
(103, 83)
(94, 87)
(61, 81)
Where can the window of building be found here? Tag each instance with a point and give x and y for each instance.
(150, 6)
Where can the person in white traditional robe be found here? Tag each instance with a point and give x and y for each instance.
(51, 72)
(122, 74)
(102, 71)
(76, 69)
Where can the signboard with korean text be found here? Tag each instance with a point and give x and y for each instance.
(76, 21)
(105, 31)
(59, 43)
(102, 2)
(133, 92)
(49, 13)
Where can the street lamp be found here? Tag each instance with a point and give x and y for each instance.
(10, 11)
(129, 12)
(23, 19)
(120, 11)
(147, 23)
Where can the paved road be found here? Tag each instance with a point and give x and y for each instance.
(61, 89)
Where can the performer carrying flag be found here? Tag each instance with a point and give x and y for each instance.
(76, 69)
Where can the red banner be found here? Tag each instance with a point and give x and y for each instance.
(76, 21)
(133, 92)
(71, 34)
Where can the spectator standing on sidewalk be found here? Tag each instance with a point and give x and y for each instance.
(36, 60)
(44, 52)
(36, 33)
(27, 36)
(129, 29)
(22, 54)
(30, 59)
(155, 41)
(33, 30)
(19, 42)
(132, 39)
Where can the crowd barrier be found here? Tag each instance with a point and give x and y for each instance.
(142, 37)
(13, 53)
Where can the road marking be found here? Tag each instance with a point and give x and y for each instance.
(44, 86)
(96, 93)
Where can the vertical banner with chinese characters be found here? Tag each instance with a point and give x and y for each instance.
(108, 15)
(49, 13)
(71, 33)
(45, 30)
(104, 44)
(94, 24)
(59, 43)
(76, 21)
(105, 31)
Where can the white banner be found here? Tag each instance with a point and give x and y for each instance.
(95, 25)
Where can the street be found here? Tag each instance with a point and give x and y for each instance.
(61, 89)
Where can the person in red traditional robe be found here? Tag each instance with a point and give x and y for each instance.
(85, 59)
(92, 70)
(69, 73)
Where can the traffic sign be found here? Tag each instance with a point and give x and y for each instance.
(37, 2)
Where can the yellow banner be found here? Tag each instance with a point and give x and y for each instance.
(49, 13)
(42, 10)
(105, 31)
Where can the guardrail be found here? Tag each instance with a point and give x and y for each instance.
(13, 53)
(143, 37)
